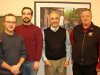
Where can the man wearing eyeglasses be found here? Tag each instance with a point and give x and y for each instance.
(12, 49)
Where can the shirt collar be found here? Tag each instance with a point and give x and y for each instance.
(53, 29)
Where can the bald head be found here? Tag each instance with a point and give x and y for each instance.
(54, 19)
(54, 14)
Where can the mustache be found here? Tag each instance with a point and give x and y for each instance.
(54, 22)
(26, 18)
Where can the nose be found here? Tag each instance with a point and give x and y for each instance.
(11, 23)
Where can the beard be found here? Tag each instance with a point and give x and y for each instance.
(26, 20)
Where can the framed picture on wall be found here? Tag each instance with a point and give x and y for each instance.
(68, 11)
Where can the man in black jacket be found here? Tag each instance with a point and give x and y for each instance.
(85, 40)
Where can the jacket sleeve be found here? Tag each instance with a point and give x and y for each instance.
(1, 53)
(23, 50)
(98, 64)
(39, 45)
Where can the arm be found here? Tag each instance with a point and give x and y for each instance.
(39, 46)
(6, 66)
(16, 68)
(68, 49)
(22, 59)
(46, 61)
(3, 64)
(98, 64)
(23, 54)
(43, 52)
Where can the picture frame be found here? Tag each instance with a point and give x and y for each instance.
(69, 12)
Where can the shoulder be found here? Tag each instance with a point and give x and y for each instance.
(62, 28)
(96, 27)
(19, 37)
(47, 29)
(19, 26)
(2, 35)
(36, 27)
(78, 26)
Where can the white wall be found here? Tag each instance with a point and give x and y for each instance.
(15, 6)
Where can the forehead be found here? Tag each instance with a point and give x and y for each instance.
(10, 18)
(26, 11)
(54, 15)
(85, 12)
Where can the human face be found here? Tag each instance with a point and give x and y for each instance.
(86, 17)
(54, 20)
(10, 23)
(26, 15)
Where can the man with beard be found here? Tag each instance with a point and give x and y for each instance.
(33, 39)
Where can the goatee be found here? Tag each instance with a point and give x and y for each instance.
(26, 21)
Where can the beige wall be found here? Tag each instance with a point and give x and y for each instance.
(15, 7)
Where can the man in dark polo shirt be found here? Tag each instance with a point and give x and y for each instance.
(12, 50)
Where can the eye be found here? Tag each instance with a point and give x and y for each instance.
(28, 13)
(9, 22)
(23, 13)
(56, 18)
(52, 18)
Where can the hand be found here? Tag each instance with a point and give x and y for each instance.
(47, 63)
(35, 65)
(98, 73)
(15, 69)
(72, 61)
(66, 63)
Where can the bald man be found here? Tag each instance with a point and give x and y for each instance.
(57, 47)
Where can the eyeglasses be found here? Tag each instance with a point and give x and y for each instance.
(9, 22)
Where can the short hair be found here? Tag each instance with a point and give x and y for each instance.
(27, 8)
(9, 14)
(86, 9)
